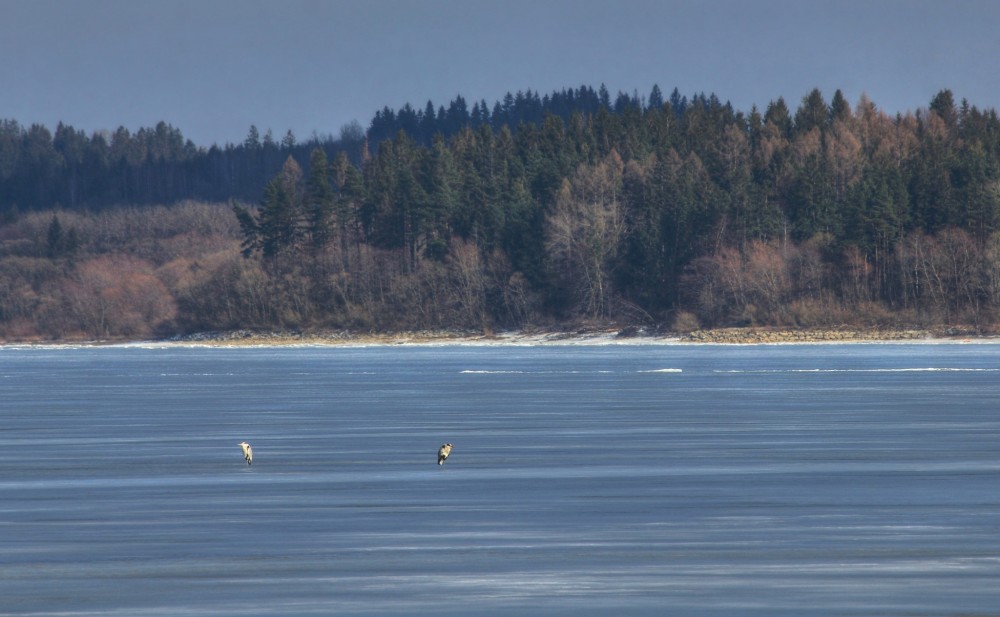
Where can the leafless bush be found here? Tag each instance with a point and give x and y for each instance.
(685, 321)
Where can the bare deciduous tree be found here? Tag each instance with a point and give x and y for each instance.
(118, 296)
(584, 231)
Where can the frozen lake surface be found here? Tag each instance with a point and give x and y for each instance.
(770, 481)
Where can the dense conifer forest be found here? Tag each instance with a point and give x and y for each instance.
(536, 211)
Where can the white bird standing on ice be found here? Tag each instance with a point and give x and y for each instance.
(247, 452)
(443, 453)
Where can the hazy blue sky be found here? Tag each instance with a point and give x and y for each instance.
(213, 67)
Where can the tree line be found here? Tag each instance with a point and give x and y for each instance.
(41, 169)
(543, 211)
(67, 169)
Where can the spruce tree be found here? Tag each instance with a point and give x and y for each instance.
(320, 199)
(55, 238)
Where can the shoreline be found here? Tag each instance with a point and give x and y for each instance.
(594, 336)
(588, 336)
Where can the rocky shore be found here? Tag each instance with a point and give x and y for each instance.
(237, 338)
(755, 336)
(587, 336)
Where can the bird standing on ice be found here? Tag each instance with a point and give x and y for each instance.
(247, 452)
(443, 453)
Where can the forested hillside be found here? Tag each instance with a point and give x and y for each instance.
(536, 211)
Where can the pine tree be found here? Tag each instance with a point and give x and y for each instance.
(440, 190)
(840, 109)
(350, 190)
(778, 115)
(278, 220)
(655, 100)
(812, 113)
(55, 239)
(252, 142)
(943, 104)
(278, 226)
(319, 204)
(250, 229)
